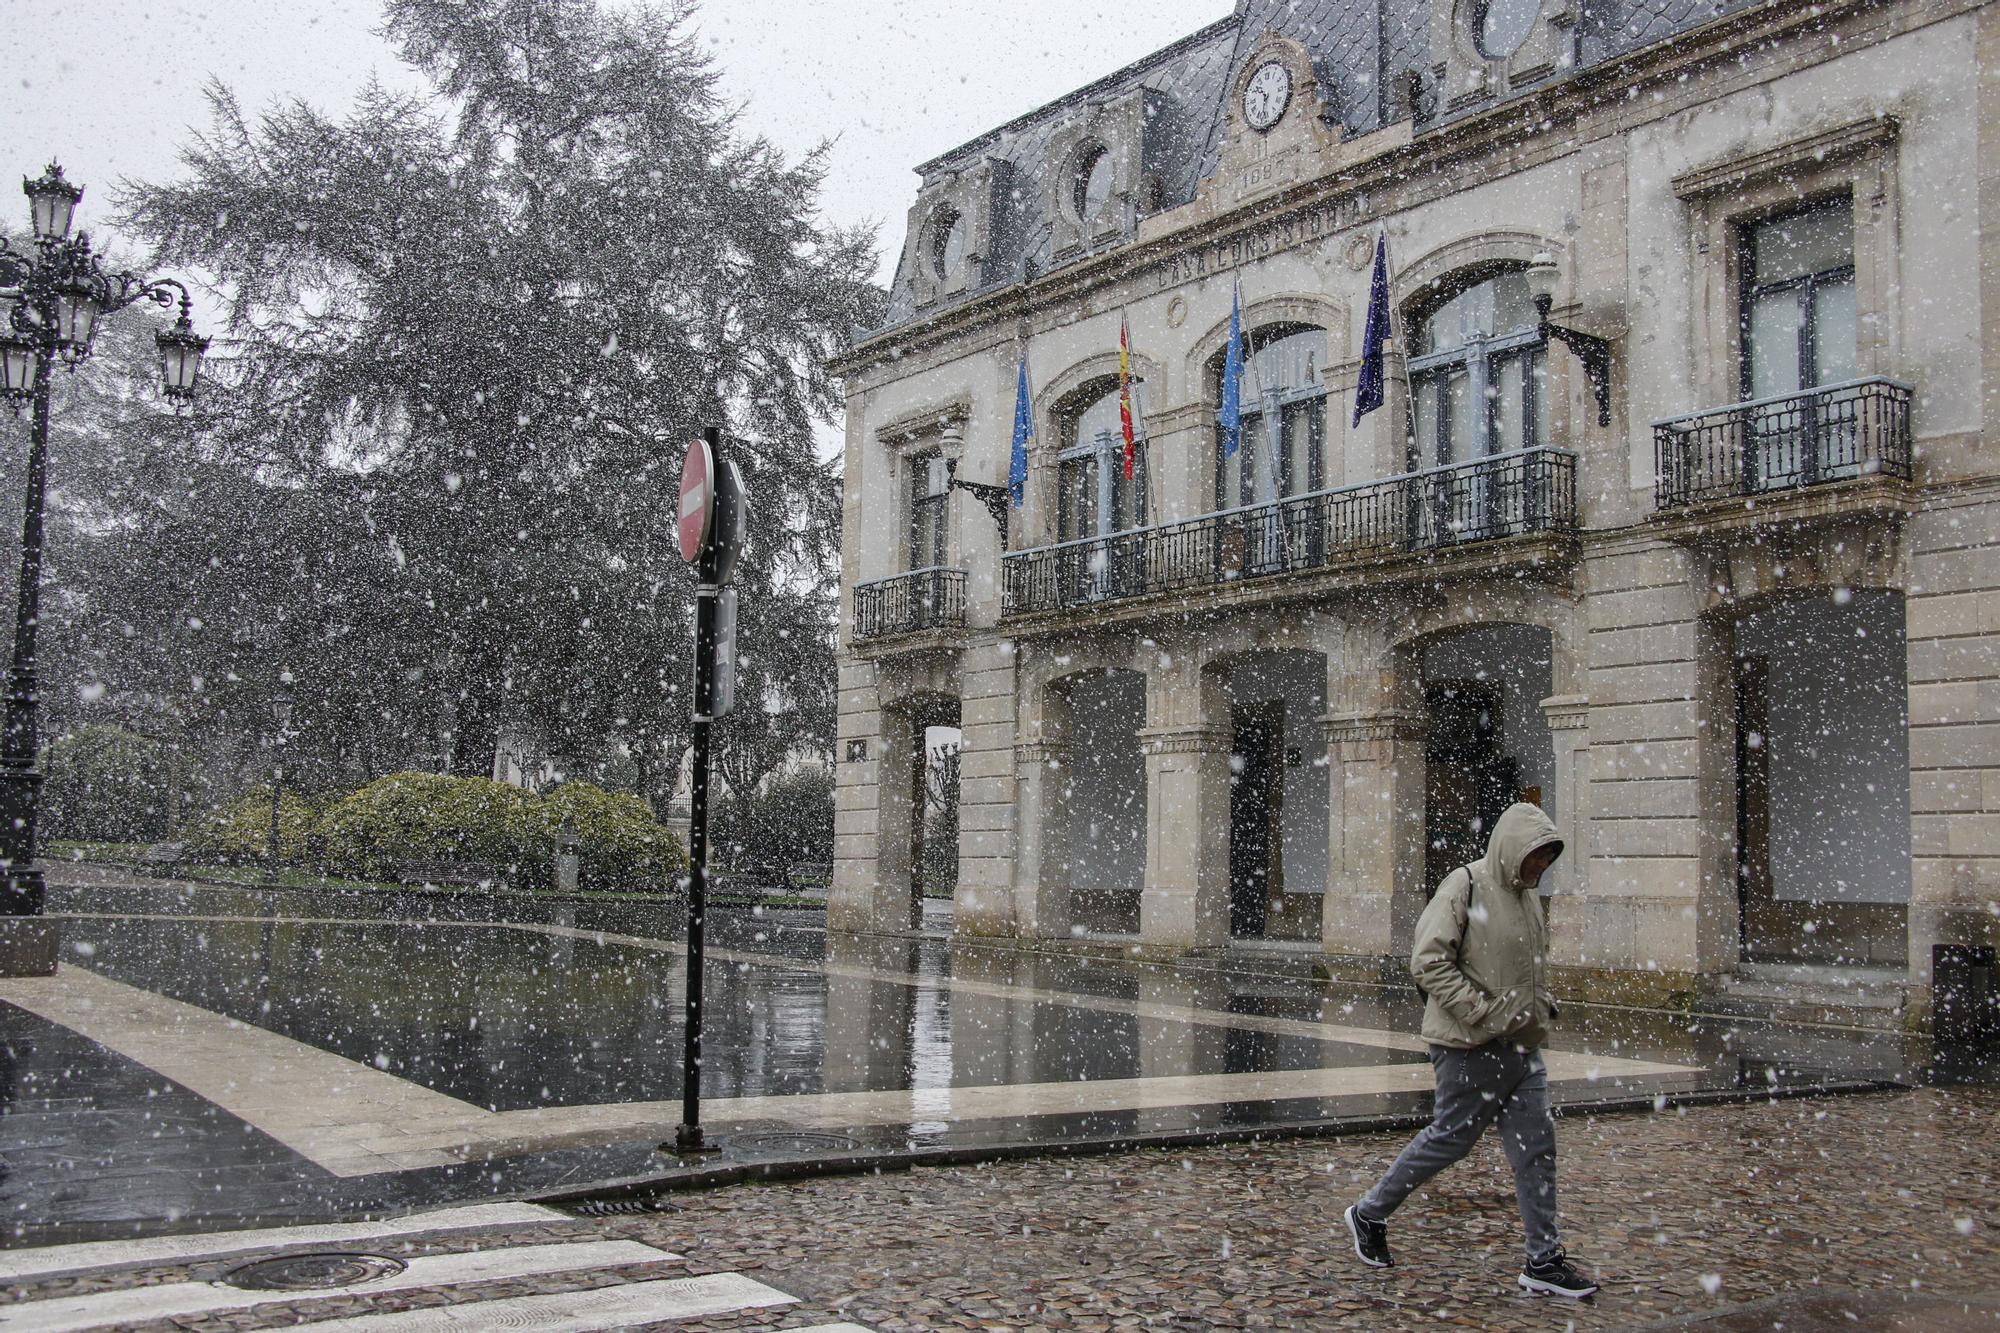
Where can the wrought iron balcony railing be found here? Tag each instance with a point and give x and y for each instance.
(1506, 495)
(1838, 432)
(920, 600)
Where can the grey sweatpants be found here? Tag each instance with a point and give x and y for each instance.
(1496, 1081)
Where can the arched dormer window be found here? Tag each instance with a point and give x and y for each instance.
(1479, 371)
(1093, 498)
(1282, 446)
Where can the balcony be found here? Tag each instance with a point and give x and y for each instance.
(913, 603)
(1839, 432)
(1527, 493)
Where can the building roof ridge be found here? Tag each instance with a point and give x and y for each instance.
(1199, 37)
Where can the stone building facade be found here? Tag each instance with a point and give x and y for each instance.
(1734, 620)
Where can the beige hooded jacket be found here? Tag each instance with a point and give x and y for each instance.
(1481, 951)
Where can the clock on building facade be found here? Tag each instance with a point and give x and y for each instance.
(1267, 94)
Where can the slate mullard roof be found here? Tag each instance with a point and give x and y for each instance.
(1361, 49)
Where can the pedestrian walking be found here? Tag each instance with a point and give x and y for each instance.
(1481, 959)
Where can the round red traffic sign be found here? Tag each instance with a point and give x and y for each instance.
(697, 499)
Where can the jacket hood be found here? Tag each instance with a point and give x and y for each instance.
(1520, 829)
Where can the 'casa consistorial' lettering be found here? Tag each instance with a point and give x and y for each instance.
(1267, 238)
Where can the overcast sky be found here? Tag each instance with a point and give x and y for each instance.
(112, 87)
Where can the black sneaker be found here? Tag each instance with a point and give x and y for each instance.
(1371, 1238)
(1557, 1277)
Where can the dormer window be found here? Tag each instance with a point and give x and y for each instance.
(1502, 27)
(947, 242)
(1090, 182)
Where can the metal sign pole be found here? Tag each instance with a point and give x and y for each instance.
(688, 1138)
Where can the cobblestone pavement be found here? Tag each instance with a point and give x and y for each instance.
(1683, 1214)
(1854, 1212)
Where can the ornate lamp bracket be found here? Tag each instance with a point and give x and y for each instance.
(995, 498)
(1594, 352)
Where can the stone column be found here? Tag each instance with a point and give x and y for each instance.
(1186, 900)
(1041, 856)
(876, 894)
(1568, 717)
(1375, 825)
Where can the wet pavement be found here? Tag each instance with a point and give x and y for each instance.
(212, 1056)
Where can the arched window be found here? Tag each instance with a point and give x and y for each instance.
(1282, 444)
(1093, 498)
(1479, 373)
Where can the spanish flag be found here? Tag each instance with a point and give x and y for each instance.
(1125, 392)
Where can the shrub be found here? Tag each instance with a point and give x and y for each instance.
(619, 843)
(106, 784)
(428, 817)
(789, 822)
(240, 830)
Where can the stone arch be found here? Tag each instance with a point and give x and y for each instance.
(1081, 795)
(1432, 274)
(1484, 605)
(1738, 577)
(1283, 308)
(1272, 679)
(1060, 390)
(910, 707)
(1805, 773)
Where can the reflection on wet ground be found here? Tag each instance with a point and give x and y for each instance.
(494, 1055)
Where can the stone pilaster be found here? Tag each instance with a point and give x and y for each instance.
(1186, 902)
(1041, 857)
(1375, 771)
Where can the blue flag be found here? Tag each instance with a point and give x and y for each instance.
(1375, 338)
(1232, 378)
(1024, 420)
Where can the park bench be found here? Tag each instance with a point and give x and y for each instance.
(450, 874)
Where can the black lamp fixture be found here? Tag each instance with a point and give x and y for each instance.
(1593, 351)
(53, 297)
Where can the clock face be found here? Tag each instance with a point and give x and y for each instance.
(1265, 96)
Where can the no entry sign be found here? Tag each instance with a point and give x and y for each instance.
(697, 499)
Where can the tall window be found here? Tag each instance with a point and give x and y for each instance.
(1479, 374)
(1280, 451)
(928, 488)
(1093, 498)
(1798, 308)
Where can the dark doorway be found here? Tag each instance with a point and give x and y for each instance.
(1469, 778)
(1256, 793)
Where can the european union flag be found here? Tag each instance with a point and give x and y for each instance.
(1024, 421)
(1232, 378)
(1375, 338)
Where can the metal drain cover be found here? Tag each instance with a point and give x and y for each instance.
(798, 1141)
(313, 1272)
(623, 1207)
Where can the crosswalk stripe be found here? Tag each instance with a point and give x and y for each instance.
(18, 1264)
(69, 1314)
(585, 1311)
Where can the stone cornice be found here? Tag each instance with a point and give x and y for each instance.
(1829, 145)
(1185, 740)
(908, 430)
(1030, 753)
(1358, 728)
(1567, 712)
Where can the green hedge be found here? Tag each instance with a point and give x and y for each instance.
(240, 830)
(427, 817)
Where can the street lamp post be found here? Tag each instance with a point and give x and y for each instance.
(281, 714)
(56, 294)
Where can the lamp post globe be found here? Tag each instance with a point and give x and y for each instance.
(52, 202)
(53, 296)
